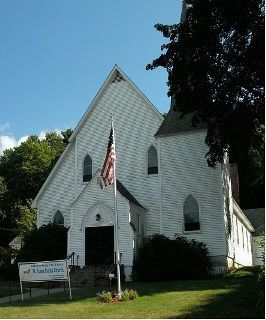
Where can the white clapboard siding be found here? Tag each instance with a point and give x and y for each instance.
(257, 250)
(135, 125)
(59, 194)
(94, 200)
(138, 217)
(184, 171)
(242, 243)
(135, 122)
(238, 236)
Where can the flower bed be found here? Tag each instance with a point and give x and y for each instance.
(108, 296)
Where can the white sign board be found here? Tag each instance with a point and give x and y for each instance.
(43, 271)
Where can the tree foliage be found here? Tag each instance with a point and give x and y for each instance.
(215, 65)
(23, 170)
(27, 218)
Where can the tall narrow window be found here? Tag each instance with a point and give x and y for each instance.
(237, 232)
(87, 169)
(58, 218)
(191, 214)
(243, 237)
(152, 161)
(247, 238)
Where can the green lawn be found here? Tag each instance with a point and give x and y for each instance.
(232, 297)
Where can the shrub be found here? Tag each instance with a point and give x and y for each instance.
(128, 294)
(49, 242)
(8, 271)
(104, 296)
(6, 254)
(162, 258)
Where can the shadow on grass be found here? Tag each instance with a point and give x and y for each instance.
(231, 298)
(237, 303)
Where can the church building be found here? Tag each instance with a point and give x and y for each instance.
(164, 184)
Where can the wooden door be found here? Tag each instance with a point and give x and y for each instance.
(99, 244)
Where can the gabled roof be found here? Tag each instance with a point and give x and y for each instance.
(16, 243)
(109, 79)
(238, 211)
(172, 124)
(120, 188)
(257, 219)
(113, 74)
(126, 194)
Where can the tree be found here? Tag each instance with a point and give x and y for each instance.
(26, 167)
(27, 218)
(215, 65)
(66, 135)
(23, 170)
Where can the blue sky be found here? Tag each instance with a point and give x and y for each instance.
(55, 55)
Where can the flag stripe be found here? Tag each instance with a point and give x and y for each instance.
(107, 176)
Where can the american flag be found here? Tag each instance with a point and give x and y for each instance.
(107, 173)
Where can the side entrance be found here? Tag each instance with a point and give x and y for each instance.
(99, 245)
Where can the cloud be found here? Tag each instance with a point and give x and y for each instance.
(7, 142)
(42, 134)
(4, 126)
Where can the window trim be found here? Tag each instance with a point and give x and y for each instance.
(53, 217)
(147, 161)
(85, 182)
(183, 215)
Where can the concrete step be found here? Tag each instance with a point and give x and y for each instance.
(89, 276)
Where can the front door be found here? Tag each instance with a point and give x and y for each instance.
(99, 245)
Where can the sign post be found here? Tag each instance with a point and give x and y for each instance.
(44, 271)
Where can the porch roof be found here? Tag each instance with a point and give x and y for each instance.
(128, 195)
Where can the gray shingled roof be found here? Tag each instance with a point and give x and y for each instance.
(125, 193)
(257, 219)
(172, 124)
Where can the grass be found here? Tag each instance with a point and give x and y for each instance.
(230, 297)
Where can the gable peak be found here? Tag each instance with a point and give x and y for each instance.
(118, 77)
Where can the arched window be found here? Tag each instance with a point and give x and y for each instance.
(58, 218)
(87, 169)
(191, 214)
(152, 161)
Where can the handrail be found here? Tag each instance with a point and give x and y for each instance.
(104, 265)
(72, 257)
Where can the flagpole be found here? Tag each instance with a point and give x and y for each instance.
(116, 222)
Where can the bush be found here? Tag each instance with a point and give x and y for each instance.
(107, 296)
(160, 258)
(104, 296)
(8, 271)
(49, 242)
(6, 254)
(128, 294)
